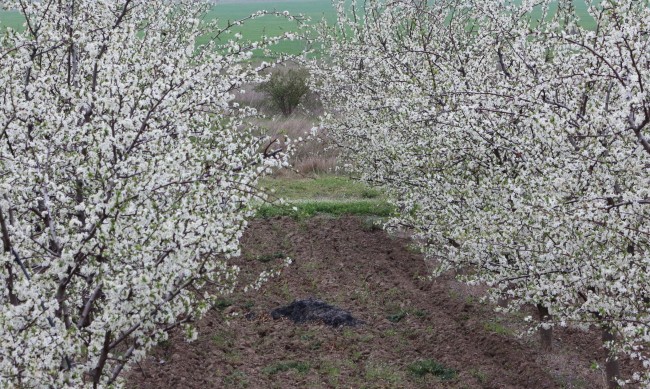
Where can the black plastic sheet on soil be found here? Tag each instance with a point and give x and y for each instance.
(301, 311)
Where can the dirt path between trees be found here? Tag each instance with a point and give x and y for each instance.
(417, 333)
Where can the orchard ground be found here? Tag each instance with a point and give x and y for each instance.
(417, 333)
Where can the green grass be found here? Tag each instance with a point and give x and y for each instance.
(236, 379)
(222, 304)
(300, 367)
(327, 194)
(305, 209)
(497, 328)
(383, 374)
(266, 258)
(223, 340)
(396, 317)
(480, 376)
(429, 366)
(325, 187)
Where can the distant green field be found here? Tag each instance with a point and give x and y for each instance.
(272, 25)
(11, 19)
(234, 10)
(268, 25)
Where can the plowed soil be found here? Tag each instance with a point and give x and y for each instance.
(417, 333)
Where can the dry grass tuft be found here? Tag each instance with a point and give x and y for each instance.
(311, 156)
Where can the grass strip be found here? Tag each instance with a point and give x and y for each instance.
(322, 187)
(309, 208)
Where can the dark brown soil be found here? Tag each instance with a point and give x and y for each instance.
(380, 280)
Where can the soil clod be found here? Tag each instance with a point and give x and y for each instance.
(301, 311)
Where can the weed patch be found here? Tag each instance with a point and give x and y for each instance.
(480, 376)
(383, 372)
(300, 367)
(222, 304)
(236, 379)
(372, 223)
(223, 341)
(396, 317)
(429, 366)
(266, 258)
(420, 313)
(497, 328)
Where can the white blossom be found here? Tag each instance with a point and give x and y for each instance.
(126, 178)
(512, 138)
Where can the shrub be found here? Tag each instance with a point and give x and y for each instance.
(286, 88)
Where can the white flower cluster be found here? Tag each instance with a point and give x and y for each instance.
(126, 176)
(513, 138)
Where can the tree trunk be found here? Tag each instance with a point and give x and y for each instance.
(612, 365)
(545, 334)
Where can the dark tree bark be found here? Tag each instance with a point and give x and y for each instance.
(545, 334)
(612, 365)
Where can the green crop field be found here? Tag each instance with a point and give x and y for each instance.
(252, 30)
(10, 19)
(269, 25)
